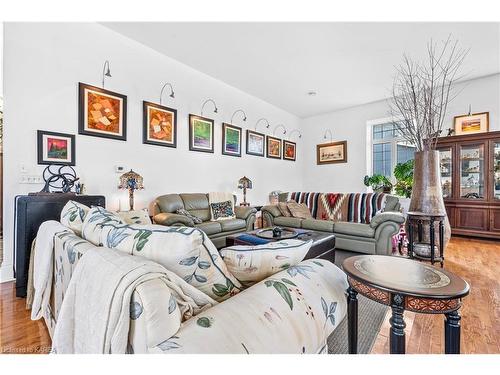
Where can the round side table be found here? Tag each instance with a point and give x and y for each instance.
(417, 223)
(404, 284)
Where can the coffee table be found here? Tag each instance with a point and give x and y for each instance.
(404, 284)
(323, 242)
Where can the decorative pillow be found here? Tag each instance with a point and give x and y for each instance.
(185, 251)
(250, 264)
(299, 210)
(72, 216)
(135, 217)
(94, 221)
(222, 210)
(183, 212)
(284, 209)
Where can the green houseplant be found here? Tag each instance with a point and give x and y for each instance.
(378, 183)
(403, 172)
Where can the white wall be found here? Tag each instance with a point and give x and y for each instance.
(350, 124)
(44, 63)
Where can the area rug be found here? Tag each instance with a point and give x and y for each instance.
(370, 318)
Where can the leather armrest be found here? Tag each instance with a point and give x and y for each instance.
(169, 219)
(272, 209)
(382, 217)
(243, 212)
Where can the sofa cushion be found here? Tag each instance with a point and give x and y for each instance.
(321, 225)
(293, 222)
(222, 210)
(250, 264)
(210, 227)
(299, 210)
(354, 229)
(183, 212)
(195, 201)
(387, 216)
(187, 252)
(135, 216)
(232, 224)
(72, 216)
(203, 214)
(285, 211)
(93, 224)
(169, 202)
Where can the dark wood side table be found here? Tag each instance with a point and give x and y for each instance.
(420, 222)
(404, 284)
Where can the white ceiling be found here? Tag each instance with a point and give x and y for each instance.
(346, 63)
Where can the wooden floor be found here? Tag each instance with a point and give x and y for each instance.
(476, 261)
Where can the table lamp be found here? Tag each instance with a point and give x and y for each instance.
(244, 183)
(131, 181)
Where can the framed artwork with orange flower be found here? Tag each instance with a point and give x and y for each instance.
(102, 113)
(289, 150)
(273, 147)
(159, 125)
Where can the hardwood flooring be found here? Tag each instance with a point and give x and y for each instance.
(477, 261)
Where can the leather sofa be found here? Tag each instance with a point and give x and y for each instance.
(165, 207)
(372, 238)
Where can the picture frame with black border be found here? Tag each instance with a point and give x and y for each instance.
(287, 144)
(55, 148)
(147, 108)
(255, 143)
(199, 139)
(273, 142)
(229, 147)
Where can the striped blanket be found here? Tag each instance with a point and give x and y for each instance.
(351, 207)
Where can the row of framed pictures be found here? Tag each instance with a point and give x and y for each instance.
(103, 113)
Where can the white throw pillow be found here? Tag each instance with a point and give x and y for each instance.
(250, 264)
(187, 252)
(72, 216)
(135, 217)
(93, 224)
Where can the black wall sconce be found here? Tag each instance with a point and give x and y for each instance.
(328, 131)
(209, 101)
(237, 111)
(172, 94)
(293, 131)
(279, 126)
(262, 119)
(105, 72)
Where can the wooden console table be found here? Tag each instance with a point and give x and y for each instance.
(404, 284)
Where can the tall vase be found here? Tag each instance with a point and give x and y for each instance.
(426, 193)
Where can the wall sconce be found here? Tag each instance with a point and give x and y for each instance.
(105, 72)
(262, 119)
(330, 132)
(172, 94)
(280, 126)
(207, 101)
(235, 112)
(293, 131)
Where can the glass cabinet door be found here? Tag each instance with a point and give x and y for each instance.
(472, 171)
(446, 165)
(496, 169)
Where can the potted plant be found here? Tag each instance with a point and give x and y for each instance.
(420, 96)
(403, 172)
(379, 183)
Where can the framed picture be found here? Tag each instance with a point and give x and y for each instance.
(273, 147)
(470, 124)
(159, 125)
(102, 113)
(56, 148)
(255, 143)
(201, 134)
(231, 140)
(289, 150)
(329, 153)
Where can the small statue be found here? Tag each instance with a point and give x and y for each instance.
(277, 232)
(58, 176)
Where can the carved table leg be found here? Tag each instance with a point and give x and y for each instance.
(452, 333)
(397, 337)
(352, 320)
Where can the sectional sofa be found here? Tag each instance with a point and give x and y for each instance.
(361, 222)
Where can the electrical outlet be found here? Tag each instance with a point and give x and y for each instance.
(31, 179)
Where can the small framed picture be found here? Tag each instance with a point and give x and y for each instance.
(201, 134)
(231, 140)
(102, 113)
(159, 125)
(330, 153)
(255, 143)
(273, 147)
(289, 150)
(471, 124)
(55, 148)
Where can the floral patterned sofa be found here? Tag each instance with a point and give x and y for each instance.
(292, 311)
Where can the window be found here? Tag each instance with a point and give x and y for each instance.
(388, 148)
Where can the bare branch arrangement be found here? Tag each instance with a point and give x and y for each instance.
(422, 91)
